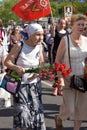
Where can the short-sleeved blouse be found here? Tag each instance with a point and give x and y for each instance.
(77, 56)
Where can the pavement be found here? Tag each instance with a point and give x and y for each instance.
(51, 108)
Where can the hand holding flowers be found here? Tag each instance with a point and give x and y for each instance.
(60, 73)
(51, 73)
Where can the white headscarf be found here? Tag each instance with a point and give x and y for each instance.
(33, 28)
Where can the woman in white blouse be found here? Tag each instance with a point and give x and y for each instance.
(74, 105)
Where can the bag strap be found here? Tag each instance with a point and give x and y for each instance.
(19, 52)
(69, 50)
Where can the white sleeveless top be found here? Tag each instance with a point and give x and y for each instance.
(77, 56)
(29, 58)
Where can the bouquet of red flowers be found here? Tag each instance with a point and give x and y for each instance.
(60, 71)
(51, 73)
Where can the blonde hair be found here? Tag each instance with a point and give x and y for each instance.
(77, 17)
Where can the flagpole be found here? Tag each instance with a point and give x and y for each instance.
(51, 12)
(53, 22)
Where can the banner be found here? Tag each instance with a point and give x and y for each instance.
(30, 10)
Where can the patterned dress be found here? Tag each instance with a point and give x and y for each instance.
(28, 103)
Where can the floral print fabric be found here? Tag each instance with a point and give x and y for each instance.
(28, 107)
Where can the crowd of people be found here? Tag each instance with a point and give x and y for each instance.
(44, 44)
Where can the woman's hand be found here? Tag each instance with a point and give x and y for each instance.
(33, 76)
(20, 70)
(3, 69)
(62, 81)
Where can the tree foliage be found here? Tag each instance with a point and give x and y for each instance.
(78, 7)
(6, 13)
(57, 7)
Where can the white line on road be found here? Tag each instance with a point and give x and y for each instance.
(46, 83)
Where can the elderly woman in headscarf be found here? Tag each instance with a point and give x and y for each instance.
(28, 104)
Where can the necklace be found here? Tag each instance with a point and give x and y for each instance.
(76, 42)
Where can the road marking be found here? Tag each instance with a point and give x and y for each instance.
(46, 83)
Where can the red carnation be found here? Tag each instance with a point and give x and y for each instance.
(64, 73)
(69, 71)
(62, 67)
(57, 66)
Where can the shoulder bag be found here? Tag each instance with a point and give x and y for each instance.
(76, 82)
(9, 83)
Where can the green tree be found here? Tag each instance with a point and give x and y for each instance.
(78, 7)
(6, 13)
(57, 7)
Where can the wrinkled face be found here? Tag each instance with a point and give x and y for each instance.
(36, 38)
(78, 26)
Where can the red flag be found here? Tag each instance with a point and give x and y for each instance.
(32, 9)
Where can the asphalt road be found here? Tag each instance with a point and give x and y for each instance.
(51, 108)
